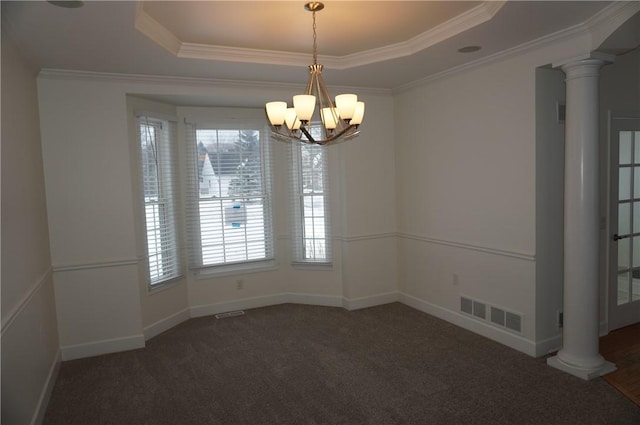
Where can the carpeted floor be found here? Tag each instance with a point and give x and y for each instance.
(298, 364)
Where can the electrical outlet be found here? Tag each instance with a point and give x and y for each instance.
(455, 279)
(239, 284)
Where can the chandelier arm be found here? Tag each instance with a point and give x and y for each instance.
(322, 87)
(336, 138)
(343, 132)
(285, 136)
(335, 129)
(319, 91)
(310, 138)
(310, 83)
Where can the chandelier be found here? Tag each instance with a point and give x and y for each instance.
(339, 122)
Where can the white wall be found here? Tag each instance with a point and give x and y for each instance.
(367, 184)
(30, 347)
(96, 232)
(550, 92)
(465, 163)
(85, 143)
(468, 164)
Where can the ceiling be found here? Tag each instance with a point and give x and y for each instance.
(377, 44)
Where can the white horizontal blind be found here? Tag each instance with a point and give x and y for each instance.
(158, 147)
(228, 196)
(308, 183)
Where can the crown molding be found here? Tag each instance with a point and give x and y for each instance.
(444, 31)
(155, 31)
(604, 22)
(162, 36)
(237, 54)
(110, 77)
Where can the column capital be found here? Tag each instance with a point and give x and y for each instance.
(590, 59)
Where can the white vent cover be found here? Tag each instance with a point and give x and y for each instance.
(497, 316)
(229, 314)
(466, 305)
(514, 322)
(479, 309)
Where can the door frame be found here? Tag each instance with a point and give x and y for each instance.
(617, 317)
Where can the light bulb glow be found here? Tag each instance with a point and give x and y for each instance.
(358, 114)
(346, 104)
(293, 123)
(330, 118)
(304, 105)
(276, 112)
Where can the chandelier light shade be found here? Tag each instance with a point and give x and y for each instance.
(336, 121)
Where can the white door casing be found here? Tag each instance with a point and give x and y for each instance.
(624, 269)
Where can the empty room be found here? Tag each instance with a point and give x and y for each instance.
(347, 212)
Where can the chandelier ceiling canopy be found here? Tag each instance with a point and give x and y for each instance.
(300, 123)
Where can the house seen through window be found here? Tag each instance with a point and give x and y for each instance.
(230, 213)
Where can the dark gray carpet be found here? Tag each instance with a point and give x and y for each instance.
(297, 364)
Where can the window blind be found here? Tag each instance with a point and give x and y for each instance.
(158, 153)
(308, 183)
(228, 205)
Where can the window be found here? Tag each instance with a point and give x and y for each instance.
(311, 240)
(229, 198)
(157, 141)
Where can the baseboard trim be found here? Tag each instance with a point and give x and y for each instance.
(296, 298)
(45, 396)
(370, 301)
(554, 344)
(496, 334)
(603, 328)
(241, 304)
(72, 352)
(138, 341)
(165, 324)
(313, 299)
(548, 346)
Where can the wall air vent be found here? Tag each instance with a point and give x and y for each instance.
(496, 315)
(473, 307)
(229, 314)
(466, 305)
(514, 322)
(479, 309)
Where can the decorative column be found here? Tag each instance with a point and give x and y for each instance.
(580, 355)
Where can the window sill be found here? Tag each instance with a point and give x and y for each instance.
(311, 265)
(162, 286)
(235, 269)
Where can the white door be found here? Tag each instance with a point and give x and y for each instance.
(624, 276)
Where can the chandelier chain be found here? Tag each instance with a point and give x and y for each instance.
(315, 41)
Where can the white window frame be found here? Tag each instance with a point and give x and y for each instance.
(161, 237)
(305, 187)
(193, 202)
